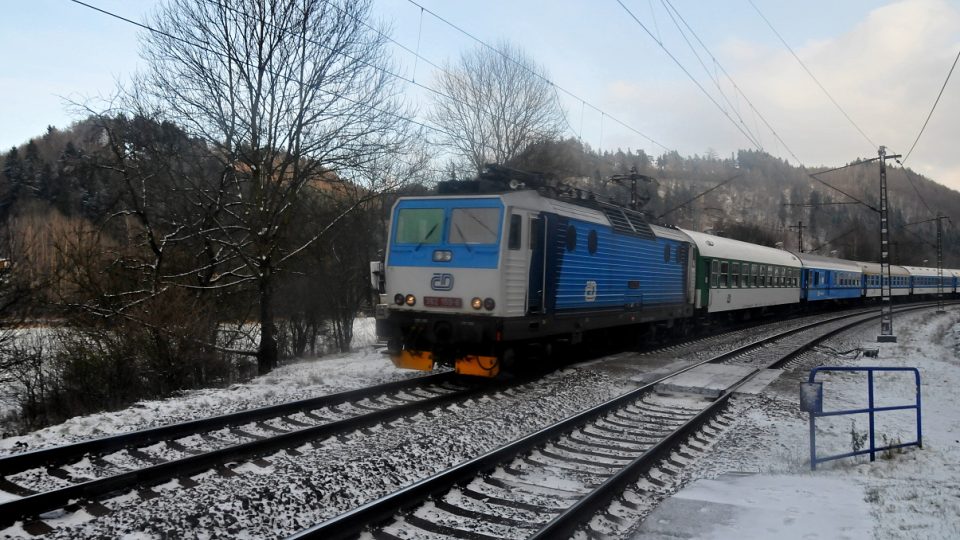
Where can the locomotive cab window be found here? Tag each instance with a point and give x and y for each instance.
(516, 231)
(536, 231)
(419, 226)
(474, 226)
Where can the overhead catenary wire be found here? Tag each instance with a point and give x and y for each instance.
(416, 54)
(224, 5)
(832, 240)
(575, 97)
(412, 80)
(847, 116)
(917, 191)
(211, 51)
(922, 128)
(812, 76)
(289, 79)
(925, 122)
(817, 205)
(686, 71)
(816, 177)
(697, 196)
(740, 92)
(716, 82)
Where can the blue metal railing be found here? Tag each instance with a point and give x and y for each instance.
(811, 400)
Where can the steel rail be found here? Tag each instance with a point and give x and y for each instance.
(351, 523)
(60, 455)
(33, 505)
(566, 523)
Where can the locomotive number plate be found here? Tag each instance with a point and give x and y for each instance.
(442, 301)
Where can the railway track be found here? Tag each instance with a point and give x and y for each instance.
(550, 483)
(76, 475)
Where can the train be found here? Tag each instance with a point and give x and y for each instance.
(485, 277)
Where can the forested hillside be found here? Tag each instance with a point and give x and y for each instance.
(764, 199)
(55, 183)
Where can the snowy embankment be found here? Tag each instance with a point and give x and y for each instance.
(913, 493)
(298, 379)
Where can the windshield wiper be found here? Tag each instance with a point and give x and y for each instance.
(426, 236)
(464, 238)
(482, 224)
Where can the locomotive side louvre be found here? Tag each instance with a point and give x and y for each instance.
(593, 268)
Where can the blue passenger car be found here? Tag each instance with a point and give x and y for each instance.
(925, 280)
(870, 282)
(824, 278)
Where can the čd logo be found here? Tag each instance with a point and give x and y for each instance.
(442, 282)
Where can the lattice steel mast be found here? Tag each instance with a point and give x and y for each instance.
(886, 302)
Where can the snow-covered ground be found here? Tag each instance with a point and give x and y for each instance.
(913, 494)
(296, 380)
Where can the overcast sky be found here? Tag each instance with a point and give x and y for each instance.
(884, 62)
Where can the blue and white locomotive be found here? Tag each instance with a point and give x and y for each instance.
(484, 281)
(473, 281)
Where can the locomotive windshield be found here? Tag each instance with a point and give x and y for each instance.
(450, 232)
(474, 226)
(419, 225)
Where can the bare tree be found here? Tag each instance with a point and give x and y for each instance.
(289, 95)
(494, 104)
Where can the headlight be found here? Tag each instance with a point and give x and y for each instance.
(411, 300)
(398, 299)
(476, 303)
(489, 304)
(442, 255)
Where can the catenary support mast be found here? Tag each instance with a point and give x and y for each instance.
(886, 301)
